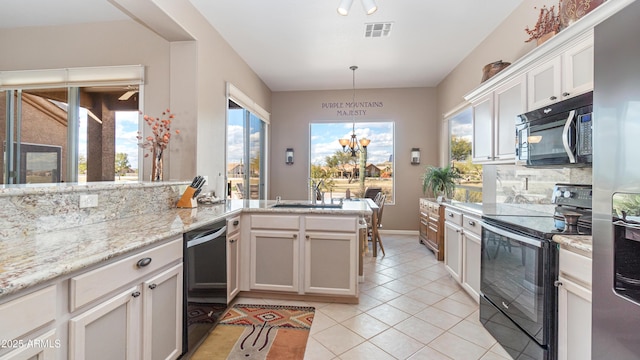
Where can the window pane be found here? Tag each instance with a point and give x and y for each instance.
(339, 171)
(469, 188)
(235, 151)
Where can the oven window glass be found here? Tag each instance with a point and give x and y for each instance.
(626, 259)
(512, 277)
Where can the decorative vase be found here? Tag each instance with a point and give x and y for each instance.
(156, 164)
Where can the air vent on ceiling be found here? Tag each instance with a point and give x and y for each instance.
(376, 30)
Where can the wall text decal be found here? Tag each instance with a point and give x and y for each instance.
(359, 108)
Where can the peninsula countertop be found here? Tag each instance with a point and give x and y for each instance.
(29, 260)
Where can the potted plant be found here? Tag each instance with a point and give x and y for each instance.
(441, 181)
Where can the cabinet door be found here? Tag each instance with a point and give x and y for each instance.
(110, 330)
(574, 321)
(453, 250)
(233, 266)
(544, 84)
(274, 260)
(45, 350)
(510, 101)
(482, 146)
(162, 321)
(471, 264)
(578, 68)
(330, 263)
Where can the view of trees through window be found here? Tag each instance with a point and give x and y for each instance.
(337, 171)
(469, 188)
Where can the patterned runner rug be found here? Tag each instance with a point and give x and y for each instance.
(259, 332)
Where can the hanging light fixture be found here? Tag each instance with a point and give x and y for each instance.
(352, 145)
(345, 5)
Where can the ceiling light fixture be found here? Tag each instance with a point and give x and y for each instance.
(345, 5)
(352, 143)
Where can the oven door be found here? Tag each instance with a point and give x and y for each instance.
(516, 279)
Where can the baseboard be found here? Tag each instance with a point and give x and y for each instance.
(399, 232)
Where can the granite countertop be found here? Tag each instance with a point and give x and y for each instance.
(34, 259)
(579, 244)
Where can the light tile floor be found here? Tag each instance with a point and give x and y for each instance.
(410, 308)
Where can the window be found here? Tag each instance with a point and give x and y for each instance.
(460, 146)
(340, 171)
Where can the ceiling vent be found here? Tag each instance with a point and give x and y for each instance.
(376, 30)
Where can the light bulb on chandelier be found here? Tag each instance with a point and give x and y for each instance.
(352, 145)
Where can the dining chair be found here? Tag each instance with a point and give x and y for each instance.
(375, 235)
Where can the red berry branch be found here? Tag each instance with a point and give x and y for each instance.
(548, 21)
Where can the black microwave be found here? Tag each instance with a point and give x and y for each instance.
(557, 135)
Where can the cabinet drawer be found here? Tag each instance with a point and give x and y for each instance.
(27, 313)
(273, 222)
(453, 216)
(233, 225)
(333, 223)
(575, 267)
(97, 283)
(471, 224)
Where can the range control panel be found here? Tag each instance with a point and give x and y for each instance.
(573, 195)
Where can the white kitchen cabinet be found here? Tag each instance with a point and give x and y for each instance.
(471, 245)
(494, 122)
(143, 321)
(163, 315)
(45, 348)
(482, 145)
(233, 258)
(329, 266)
(453, 243)
(564, 76)
(109, 330)
(274, 260)
(25, 315)
(574, 306)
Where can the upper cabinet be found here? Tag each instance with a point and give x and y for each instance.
(539, 79)
(564, 76)
(494, 129)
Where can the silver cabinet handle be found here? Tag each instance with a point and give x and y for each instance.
(557, 283)
(135, 294)
(295, 236)
(153, 286)
(232, 241)
(553, 97)
(143, 262)
(236, 222)
(472, 223)
(565, 94)
(450, 214)
(308, 237)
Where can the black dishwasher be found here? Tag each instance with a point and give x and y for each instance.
(205, 282)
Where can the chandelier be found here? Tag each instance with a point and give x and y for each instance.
(353, 145)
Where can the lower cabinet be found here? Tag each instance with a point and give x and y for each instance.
(463, 247)
(453, 249)
(233, 266)
(48, 344)
(329, 266)
(574, 306)
(274, 260)
(471, 264)
(142, 322)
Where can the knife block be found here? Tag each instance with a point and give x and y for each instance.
(187, 200)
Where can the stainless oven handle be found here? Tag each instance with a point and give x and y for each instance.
(565, 136)
(511, 235)
(199, 240)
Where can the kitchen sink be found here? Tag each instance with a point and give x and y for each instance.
(308, 206)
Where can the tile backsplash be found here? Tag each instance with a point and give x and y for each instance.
(27, 210)
(518, 184)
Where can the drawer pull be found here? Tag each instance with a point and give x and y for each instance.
(153, 286)
(565, 94)
(143, 262)
(450, 214)
(236, 222)
(232, 241)
(136, 294)
(308, 238)
(557, 283)
(472, 223)
(553, 98)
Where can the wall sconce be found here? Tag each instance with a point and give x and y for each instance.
(415, 156)
(288, 156)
